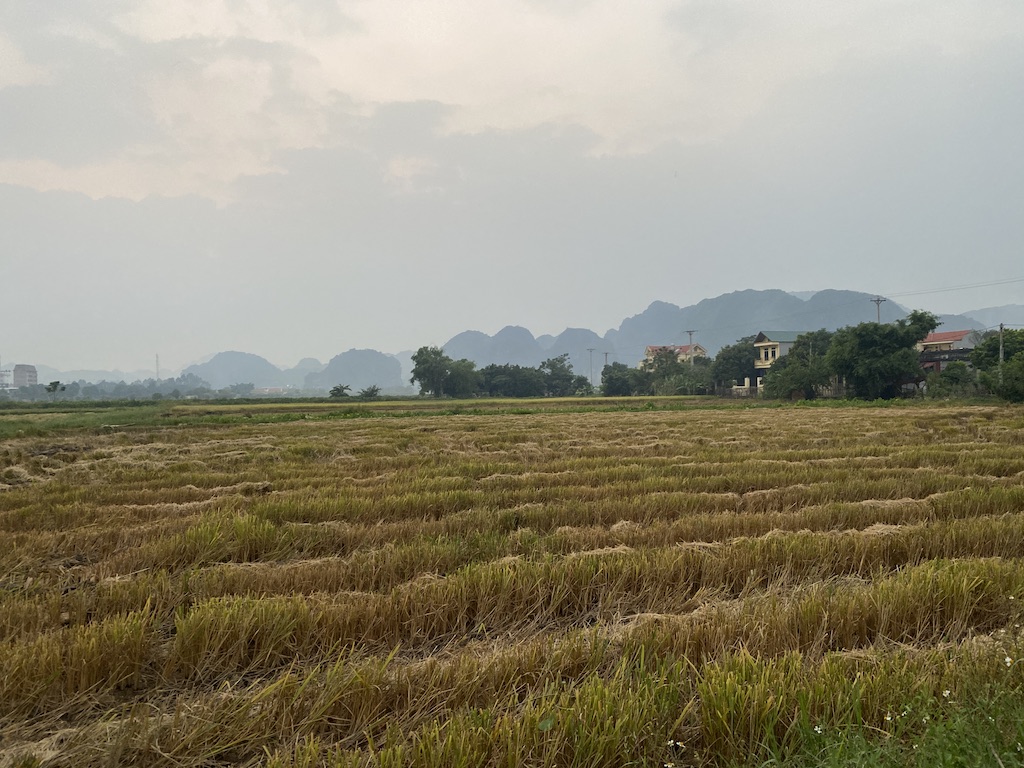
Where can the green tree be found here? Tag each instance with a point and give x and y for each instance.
(877, 359)
(340, 390)
(668, 375)
(370, 393)
(439, 375)
(955, 380)
(53, 388)
(581, 386)
(688, 379)
(734, 363)
(430, 369)
(463, 379)
(616, 381)
(559, 379)
(619, 380)
(803, 371)
(1012, 387)
(511, 381)
(985, 356)
(665, 364)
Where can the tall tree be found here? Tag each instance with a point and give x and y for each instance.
(463, 379)
(559, 379)
(439, 375)
(53, 388)
(619, 380)
(430, 369)
(877, 359)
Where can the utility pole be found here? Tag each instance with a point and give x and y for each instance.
(605, 359)
(691, 346)
(591, 351)
(878, 308)
(158, 367)
(1000, 354)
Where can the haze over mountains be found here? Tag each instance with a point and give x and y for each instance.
(715, 322)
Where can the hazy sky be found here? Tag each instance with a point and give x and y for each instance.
(298, 178)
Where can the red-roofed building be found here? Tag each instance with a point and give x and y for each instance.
(943, 340)
(940, 349)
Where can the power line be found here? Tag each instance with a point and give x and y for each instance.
(1007, 281)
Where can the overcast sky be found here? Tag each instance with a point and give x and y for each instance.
(298, 178)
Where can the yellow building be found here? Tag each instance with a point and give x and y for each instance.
(771, 345)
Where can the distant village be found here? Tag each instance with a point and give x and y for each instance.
(936, 352)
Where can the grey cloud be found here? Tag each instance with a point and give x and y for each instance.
(711, 23)
(87, 115)
(884, 176)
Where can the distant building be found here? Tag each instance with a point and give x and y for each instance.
(684, 353)
(945, 340)
(25, 376)
(938, 350)
(771, 345)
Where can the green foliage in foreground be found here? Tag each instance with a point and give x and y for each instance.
(987, 731)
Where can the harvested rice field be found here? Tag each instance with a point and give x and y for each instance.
(668, 584)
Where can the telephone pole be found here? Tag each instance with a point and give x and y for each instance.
(691, 345)
(878, 308)
(591, 351)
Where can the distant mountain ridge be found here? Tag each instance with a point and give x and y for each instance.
(227, 368)
(716, 322)
(991, 317)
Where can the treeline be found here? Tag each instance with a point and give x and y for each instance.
(440, 376)
(185, 386)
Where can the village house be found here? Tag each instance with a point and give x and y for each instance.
(770, 346)
(938, 350)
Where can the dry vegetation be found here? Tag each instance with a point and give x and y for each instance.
(560, 588)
